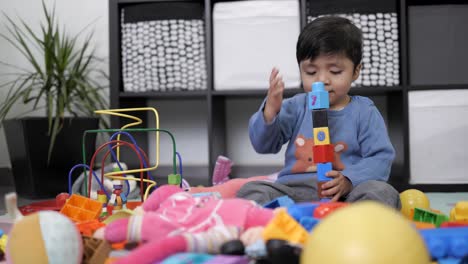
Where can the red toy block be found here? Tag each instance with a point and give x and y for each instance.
(324, 153)
(455, 224)
(326, 208)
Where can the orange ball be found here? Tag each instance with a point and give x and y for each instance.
(411, 199)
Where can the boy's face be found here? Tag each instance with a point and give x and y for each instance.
(335, 71)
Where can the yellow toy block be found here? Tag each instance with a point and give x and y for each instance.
(79, 208)
(284, 227)
(321, 136)
(459, 212)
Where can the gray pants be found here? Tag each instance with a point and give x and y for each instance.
(306, 191)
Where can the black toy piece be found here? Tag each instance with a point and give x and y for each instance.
(280, 251)
(233, 247)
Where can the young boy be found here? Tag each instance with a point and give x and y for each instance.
(329, 50)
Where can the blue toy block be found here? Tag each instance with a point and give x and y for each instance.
(300, 210)
(322, 169)
(309, 222)
(449, 261)
(195, 258)
(318, 97)
(283, 201)
(325, 200)
(449, 242)
(1, 232)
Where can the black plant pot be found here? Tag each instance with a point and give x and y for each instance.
(28, 145)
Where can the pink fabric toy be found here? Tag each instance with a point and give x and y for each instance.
(171, 213)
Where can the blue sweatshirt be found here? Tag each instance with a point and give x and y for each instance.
(363, 150)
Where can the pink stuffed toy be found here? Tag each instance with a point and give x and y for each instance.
(172, 215)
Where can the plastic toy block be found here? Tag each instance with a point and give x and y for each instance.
(427, 216)
(95, 250)
(326, 208)
(79, 208)
(321, 136)
(454, 224)
(322, 169)
(297, 211)
(446, 242)
(422, 225)
(459, 212)
(325, 200)
(324, 153)
(308, 222)
(283, 201)
(87, 228)
(284, 227)
(318, 97)
(174, 179)
(449, 261)
(320, 118)
(188, 257)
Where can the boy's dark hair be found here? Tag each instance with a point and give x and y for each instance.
(330, 35)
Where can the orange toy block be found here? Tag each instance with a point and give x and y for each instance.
(324, 153)
(79, 208)
(423, 225)
(87, 228)
(283, 226)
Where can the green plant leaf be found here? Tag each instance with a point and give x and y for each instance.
(66, 75)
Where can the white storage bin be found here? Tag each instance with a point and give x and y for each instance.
(250, 38)
(438, 126)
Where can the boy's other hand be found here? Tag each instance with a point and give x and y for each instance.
(337, 187)
(274, 96)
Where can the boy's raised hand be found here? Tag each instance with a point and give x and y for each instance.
(274, 96)
(337, 187)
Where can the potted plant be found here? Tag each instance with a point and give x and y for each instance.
(65, 79)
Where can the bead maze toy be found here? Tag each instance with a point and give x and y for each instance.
(116, 199)
(323, 149)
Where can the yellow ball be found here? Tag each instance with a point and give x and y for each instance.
(365, 233)
(413, 198)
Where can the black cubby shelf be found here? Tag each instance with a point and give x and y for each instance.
(154, 95)
(396, 96)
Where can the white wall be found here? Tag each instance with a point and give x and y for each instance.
(75, 15)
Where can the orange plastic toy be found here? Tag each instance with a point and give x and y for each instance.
(87, 228)
(283, 226)
(79, 208)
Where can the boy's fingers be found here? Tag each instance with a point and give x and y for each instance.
(330, 192)
(332, 174)
(330, 184)
(274, 73)
(336, 197)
